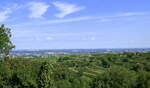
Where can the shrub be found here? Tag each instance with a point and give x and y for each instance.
(115, 77)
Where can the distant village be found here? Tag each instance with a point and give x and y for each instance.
(68, 52)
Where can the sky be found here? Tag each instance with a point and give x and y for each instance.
(71, 24)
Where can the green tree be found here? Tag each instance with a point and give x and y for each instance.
(116, 77)
(5, 43)
(143, 80)
(46, 78)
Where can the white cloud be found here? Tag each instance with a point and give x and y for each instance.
(132, 14)
(92, 38)
(57, 21)
(49, 38)
(4, 15)
(66, 9)
(105, 19)
(68, 20)
(89, 38)
(15, 6)
(76, 19)
(38, 9)
(7, 11)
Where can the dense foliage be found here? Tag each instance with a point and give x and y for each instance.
(5, 42)
(113, 70)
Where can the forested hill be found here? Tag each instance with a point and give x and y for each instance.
(112, 70)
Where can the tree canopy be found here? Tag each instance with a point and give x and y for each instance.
(5, 43)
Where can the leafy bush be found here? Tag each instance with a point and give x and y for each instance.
(115, 77)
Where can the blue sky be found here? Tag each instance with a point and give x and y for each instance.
(65, 24)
